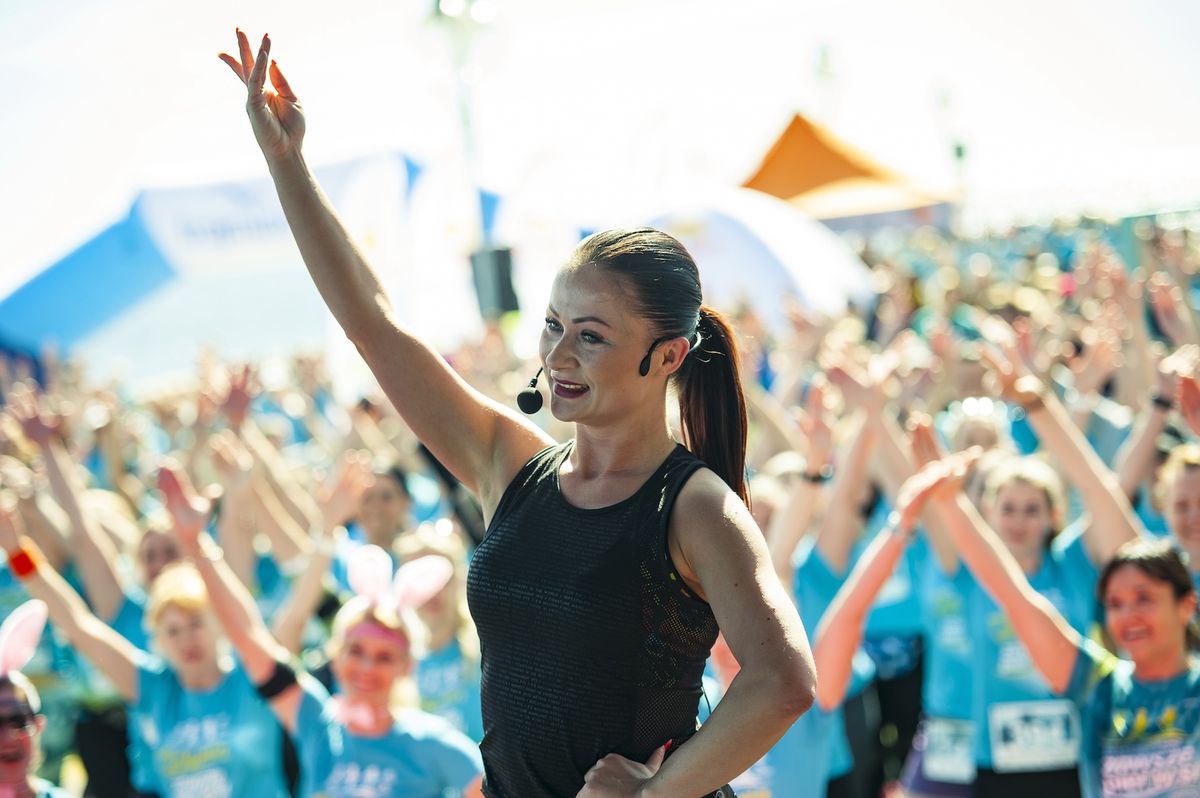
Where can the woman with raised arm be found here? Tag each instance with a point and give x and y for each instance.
(1139, 462)
(611, 561)
(209, 734)
(1140, 727)
(359, 743)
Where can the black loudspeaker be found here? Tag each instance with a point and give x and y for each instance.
(491, 270)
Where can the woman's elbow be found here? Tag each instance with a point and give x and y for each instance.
(797, 687)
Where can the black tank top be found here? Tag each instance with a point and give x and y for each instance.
(591, 642)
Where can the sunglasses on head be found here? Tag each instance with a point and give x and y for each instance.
(17, 723)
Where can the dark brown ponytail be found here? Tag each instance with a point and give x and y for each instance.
(666, 288)
(712, 405)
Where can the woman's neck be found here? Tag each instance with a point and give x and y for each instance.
(1160, 669)
(1030, 563)
(201, 679)
(627, 449)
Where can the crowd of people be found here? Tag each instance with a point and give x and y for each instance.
(978, 497)
(945, 637)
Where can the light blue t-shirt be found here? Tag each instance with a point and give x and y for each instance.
(947, 728)
(421, 756)
(448, 684)
(896, 610)
(814, 588)
(1140, 739)
(947, 678)
(130, 623)
(1020, 725)
(797, 766)
(758, 780)
(220, 743)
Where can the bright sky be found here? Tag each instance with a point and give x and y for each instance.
(591, 107)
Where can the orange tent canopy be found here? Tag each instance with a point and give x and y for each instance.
(826, 177)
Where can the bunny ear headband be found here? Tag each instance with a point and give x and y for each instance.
(416, 582)
(19, 635)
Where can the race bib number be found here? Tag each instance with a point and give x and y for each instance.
(1033, 735)
(949, 754)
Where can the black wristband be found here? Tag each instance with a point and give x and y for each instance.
(1163, 402)
(281, 679)
(823, 475)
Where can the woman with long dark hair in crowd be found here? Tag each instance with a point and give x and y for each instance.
(611, 561)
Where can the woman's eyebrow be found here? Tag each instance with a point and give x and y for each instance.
(582, 319)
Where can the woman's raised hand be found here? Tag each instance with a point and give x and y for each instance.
(339, 502)
(189, 511)
(944, 476)
(275, 116)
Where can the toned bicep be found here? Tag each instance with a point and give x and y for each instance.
(729, 559)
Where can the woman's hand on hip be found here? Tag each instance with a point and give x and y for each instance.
(614, 776)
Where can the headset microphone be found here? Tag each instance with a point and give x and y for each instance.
(530, 399)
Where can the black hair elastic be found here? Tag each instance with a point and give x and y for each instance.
(281, 679)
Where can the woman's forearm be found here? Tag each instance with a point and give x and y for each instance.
(95, 554)
(303, 600)
(1050, 641)
(789, 524)
(1135, 459)
(235, 610)
(1113, 522)
(298, 503)
(840, 632)
(842, 523)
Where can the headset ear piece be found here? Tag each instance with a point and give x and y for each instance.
(644, 366)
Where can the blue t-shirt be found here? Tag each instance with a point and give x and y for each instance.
(814, 588)
(1140, 739)
(1154, 521)
(220, 743)
(1020, 726)
(896, 611)
(947, 678)
(449, 687)
(130, 623)
(797, 766)
(421, 756)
